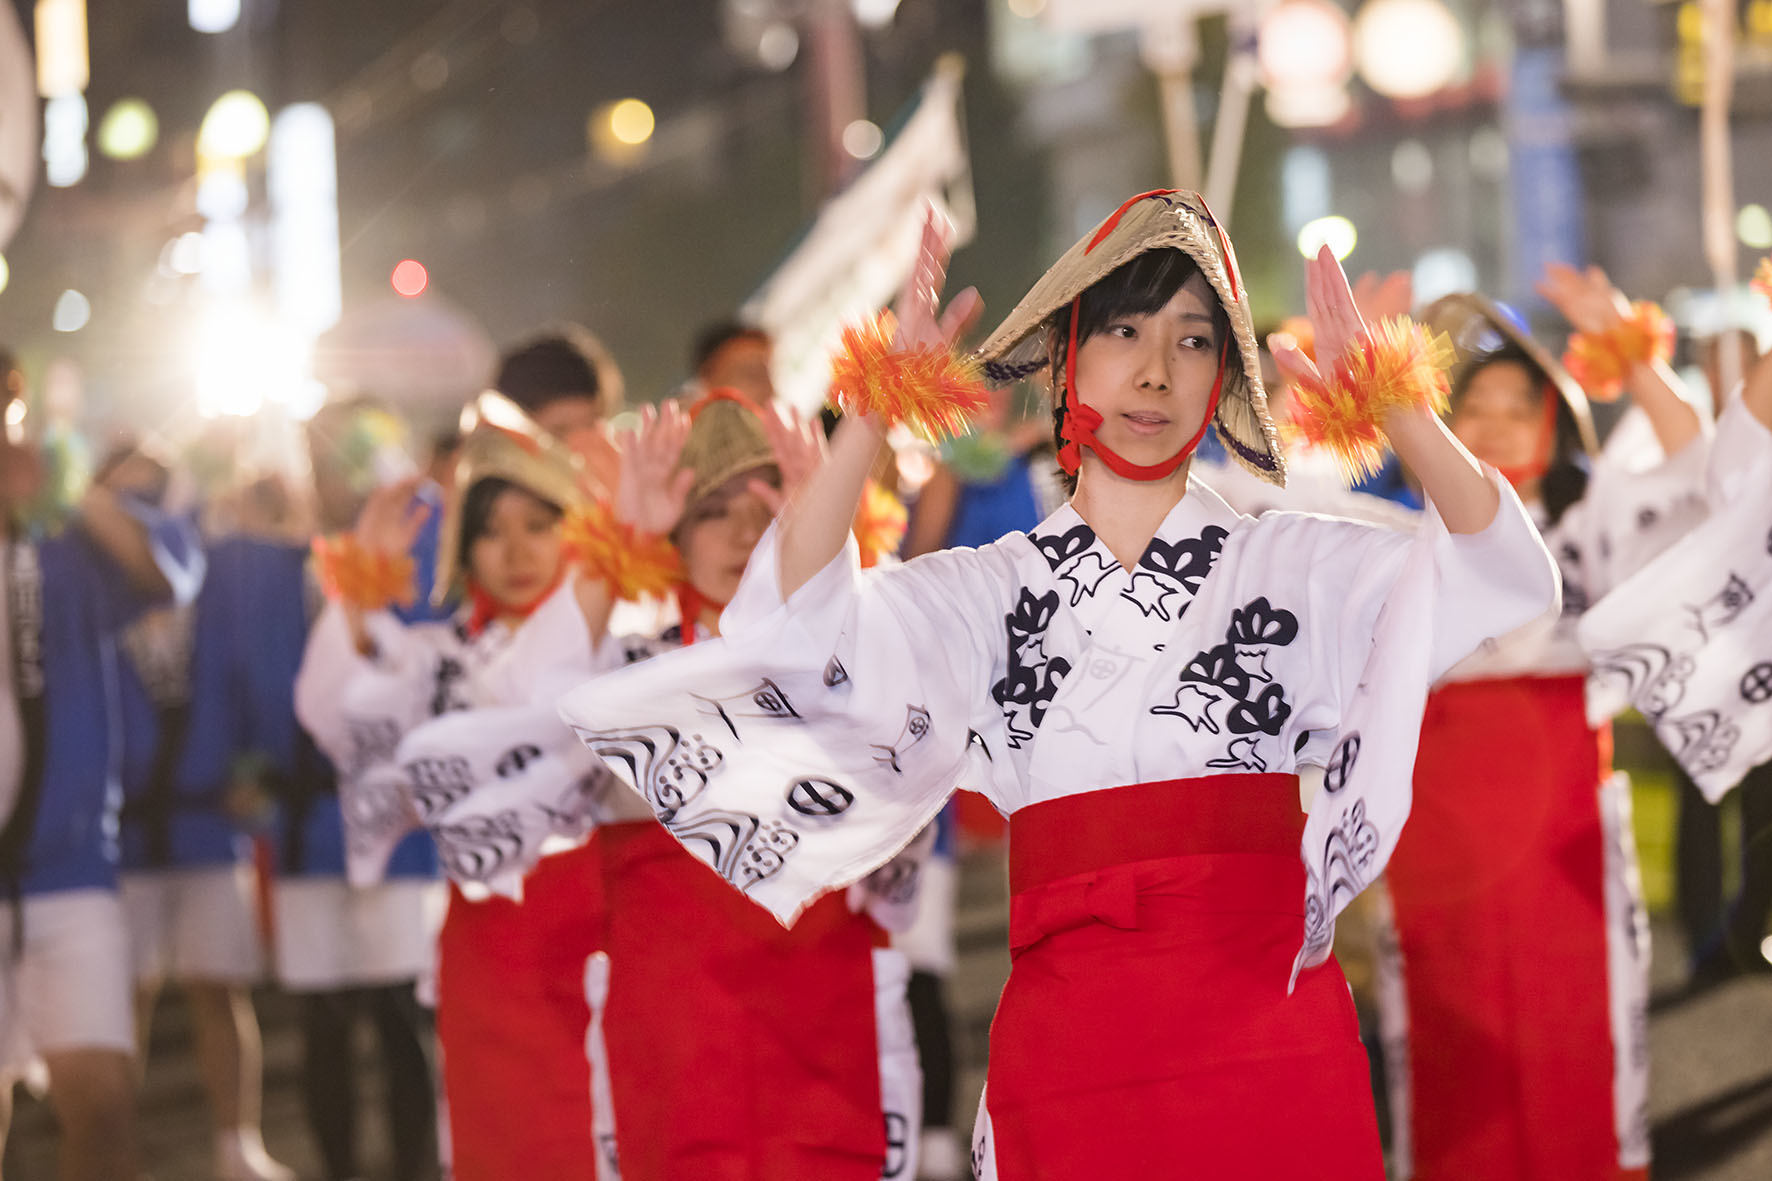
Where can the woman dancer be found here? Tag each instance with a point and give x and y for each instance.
(1135, 682)
(1523, 946)
(512, 1009)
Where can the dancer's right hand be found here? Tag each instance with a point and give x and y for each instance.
(651, 492)
(391, 518)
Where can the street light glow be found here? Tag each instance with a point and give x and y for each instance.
(863, 139)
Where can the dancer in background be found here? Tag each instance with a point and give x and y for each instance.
(1523, 944)
(64, 943)
(188, 880)
(732, 354)
(1135, 682)
(512, 1009)
(348, 953)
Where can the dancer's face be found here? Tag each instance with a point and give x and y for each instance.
(718, 533)
(516, 555)
(1150, 376)
(1500, 417)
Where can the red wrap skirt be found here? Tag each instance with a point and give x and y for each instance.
(1146, 1030)
(1499, 889)
(739, 1050)
(512, 1019)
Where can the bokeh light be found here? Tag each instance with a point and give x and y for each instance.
(1334, 231)
(129, 130)
(410, 278)
(236, 127)
(631, 122)
(1408, 48)
(1753, 225)
(863, 139)
(72, 312)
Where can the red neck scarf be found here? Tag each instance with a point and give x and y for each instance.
(1542, 451)
(691, 606)
(485, 608)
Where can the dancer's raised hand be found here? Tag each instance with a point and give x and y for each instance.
(392, 517)
(921, 320)
(651, 491)
(799, 446)
(1586, 298)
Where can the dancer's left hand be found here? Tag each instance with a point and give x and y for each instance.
(921, 321)
(651, 491)
(1334, 315)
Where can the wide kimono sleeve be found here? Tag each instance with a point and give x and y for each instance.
(820, 734)
(177, 550)
(1391, 613)
(357, 707)
(1685, 639)
(503, 783)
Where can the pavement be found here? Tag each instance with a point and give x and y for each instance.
(1711, 1087)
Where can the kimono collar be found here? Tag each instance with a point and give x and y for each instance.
(1198, 508)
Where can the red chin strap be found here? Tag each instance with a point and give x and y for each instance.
(1543, 450)
(1081, 421)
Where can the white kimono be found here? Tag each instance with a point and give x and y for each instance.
(435, 717)
(819, 735)
(1687, 639)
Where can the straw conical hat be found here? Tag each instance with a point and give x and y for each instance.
(1478, 325)
(725, 440)
(500, 441)
(1154, 221)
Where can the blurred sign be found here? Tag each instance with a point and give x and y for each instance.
(18, 124)
(861, 248)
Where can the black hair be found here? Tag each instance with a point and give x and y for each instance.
(548, 368)
(716, 336)
(1140, 287)
(476, 512)
(1565, 477)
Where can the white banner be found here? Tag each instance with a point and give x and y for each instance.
(861, 248)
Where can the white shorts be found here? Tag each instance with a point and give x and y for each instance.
(68, 988)
(193, 924)
(331, 935)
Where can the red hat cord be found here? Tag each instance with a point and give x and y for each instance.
(1078, 421)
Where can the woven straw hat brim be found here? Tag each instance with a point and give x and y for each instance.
(726, 440)
(1182, 221)
(502, 443)
(1469, 318)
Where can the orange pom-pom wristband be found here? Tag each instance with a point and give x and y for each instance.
(927, 388)
(880, 521)
(1762, 280)
(629, 562)
(1601, 361)
(1401, 365)
(357, 576)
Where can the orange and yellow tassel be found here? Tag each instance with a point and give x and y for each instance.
(1400, 366)
(360, 577)
(927, 388)
(1601, 361)
(630, 563)
(1762, 281)
(880, 521)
